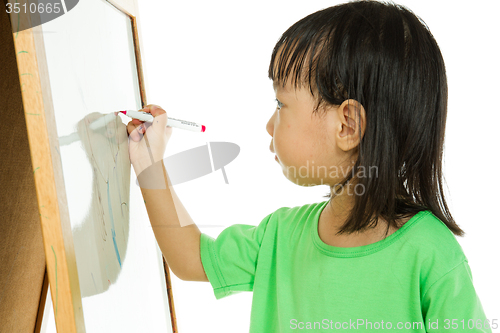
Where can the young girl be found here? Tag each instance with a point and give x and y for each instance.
(362, 100)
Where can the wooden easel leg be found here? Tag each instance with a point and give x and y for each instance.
(41, 304)
(170, 296)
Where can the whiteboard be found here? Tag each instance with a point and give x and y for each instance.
(92, 71)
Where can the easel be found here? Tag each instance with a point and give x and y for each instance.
(35, 234)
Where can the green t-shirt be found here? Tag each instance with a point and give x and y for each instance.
(415, 280)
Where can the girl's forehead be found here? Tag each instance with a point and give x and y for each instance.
(279, 86)
(289, 89)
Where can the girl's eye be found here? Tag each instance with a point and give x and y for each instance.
(280, 105)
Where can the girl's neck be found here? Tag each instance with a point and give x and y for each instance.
(328, 226)
(334, 216)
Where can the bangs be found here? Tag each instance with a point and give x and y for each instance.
(306, 56)
(295, 58)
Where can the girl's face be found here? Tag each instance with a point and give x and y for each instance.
(308, 145)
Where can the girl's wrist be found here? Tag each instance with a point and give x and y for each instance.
(150, 176)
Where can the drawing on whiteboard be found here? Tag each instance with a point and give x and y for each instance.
(101, 239)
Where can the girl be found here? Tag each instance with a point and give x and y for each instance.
(361, 106)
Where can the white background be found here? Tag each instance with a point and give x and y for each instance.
(207, 62)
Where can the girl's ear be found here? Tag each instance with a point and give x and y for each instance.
(352, 122)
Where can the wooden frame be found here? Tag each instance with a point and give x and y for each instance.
(50, 191)
(41, 304)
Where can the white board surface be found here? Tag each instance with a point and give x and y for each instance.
(92, 71)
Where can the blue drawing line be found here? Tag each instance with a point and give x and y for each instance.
(22, 52)
(113, 233)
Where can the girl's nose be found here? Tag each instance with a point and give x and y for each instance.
(270, 124)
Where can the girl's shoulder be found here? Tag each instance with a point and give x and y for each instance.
(429, 229)
(300, 211)
(433, 242)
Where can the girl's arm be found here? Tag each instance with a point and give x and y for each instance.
(176, 233)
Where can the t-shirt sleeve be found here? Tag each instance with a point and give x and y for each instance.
(452, 305)
(230, 260)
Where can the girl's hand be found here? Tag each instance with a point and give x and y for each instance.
(147, 141)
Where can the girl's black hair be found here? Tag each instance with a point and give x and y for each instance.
(383, 56)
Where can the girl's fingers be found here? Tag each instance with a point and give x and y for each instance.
(136, 122)
(156, 110)
(160, 121)
(148, 107)
(135, 132)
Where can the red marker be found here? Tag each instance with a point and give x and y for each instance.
(171, 122)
